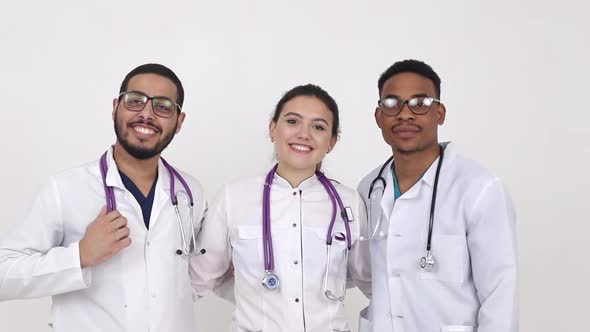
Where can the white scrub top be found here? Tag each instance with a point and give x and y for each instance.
(145, 287)
(232, 233)
(473, 286)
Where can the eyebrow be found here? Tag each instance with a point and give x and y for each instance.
(145, 94)
(295, 114)
(413, 96)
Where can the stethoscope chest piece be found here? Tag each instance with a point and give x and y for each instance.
(270, 281)
(427, 262)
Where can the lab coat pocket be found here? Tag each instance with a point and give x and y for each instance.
(247, 248)
(450, 256)
(456, 328)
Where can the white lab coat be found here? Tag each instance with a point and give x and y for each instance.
(473, 286)
(145, 287)
(232, 232)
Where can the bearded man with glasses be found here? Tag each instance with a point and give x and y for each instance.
(117, 267)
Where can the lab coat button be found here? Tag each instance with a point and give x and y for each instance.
(294, 225)
(295, 262)
(395, 274)
(294, 193)
(147, 243)
(296, 299)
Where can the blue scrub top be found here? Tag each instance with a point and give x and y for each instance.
(396, 192)
(145, 203)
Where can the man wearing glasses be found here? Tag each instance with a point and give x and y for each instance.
(103, 239)
(441, 227)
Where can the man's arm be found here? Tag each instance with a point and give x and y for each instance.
(210, 272)
(491, 238)
(359, 261)
(33, 262)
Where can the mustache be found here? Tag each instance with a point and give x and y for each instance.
(406, 125)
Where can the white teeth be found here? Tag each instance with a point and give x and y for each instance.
(300, 147)
(144, 130)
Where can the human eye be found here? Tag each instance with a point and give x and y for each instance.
(390, 102)
(420, 102)
(319, 127)
(291, 121)
(135, 98)
(164, 106)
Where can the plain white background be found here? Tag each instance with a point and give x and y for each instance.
(515, 84)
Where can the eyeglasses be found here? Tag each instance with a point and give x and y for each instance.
(161, 106)
(418, 105)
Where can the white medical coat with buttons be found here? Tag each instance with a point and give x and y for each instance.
(145, 287)
(473, 286)
(232, 232)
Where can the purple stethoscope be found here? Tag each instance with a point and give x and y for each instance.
(188, 247)
(270, 280)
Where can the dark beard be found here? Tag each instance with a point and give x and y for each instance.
(143, 153)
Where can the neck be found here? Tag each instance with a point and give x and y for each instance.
(141, 172)
(409, 167)
(294, 176)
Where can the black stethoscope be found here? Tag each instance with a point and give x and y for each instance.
(426, 262)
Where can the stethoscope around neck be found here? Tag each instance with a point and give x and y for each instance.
(426, 262)
(188, 247)
(271, 280)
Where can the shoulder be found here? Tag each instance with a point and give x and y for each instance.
(194, 184)
(196, 188)
(78, 175)
(244, 190)
(244, 185)
(344, 190)
(365, 184)
(465, 171)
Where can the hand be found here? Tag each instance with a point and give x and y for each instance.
(105, 236)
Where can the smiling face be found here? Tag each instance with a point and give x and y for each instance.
(407, 132)
(302, 135)
(143, 134)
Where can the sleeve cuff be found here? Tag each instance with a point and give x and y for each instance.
(85, 273)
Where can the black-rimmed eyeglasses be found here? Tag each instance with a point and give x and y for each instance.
(162, 106)
(418, 105)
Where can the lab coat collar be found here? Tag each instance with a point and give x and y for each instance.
(306, 184)
(388, 198)
(113, 178)
(430, 174)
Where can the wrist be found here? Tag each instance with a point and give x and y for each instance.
(84, 260)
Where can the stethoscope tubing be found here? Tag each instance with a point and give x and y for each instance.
(380, 178)
(174, 174)
(266, 230)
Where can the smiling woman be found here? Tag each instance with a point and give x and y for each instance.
(295, 206)
(304, 128)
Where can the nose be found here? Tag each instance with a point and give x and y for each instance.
(303, 133)
(148, 111)
(405, 113)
